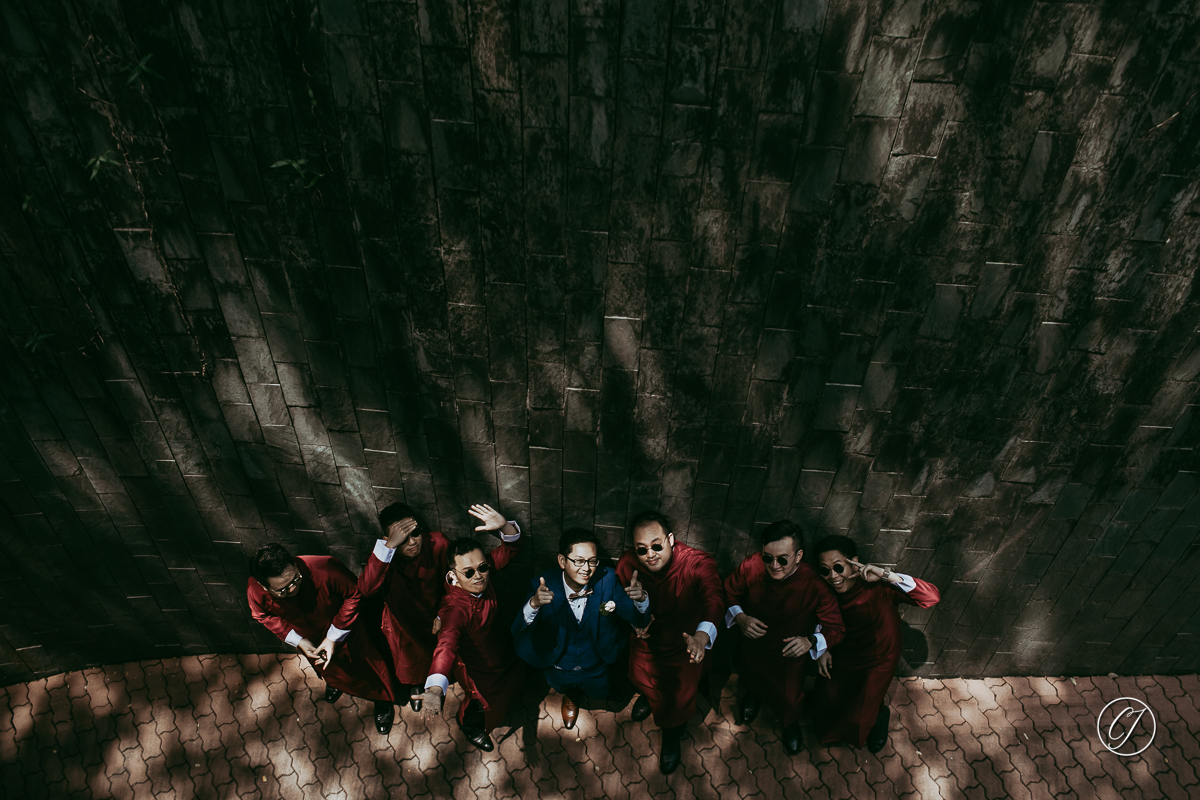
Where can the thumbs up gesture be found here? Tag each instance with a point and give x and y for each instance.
(635, 591)
(542, 596)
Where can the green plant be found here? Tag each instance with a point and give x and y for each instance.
(135, 71)
(33, 342)
(99, 161)
(308, 177)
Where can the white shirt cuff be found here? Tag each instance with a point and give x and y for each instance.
(293, 638)
(383, 552)
(337, 634)
(819, 650)
(440, 681)
(711, 630)
(515, 536)
(906, 583)
(644, 605)
(731, 614)
(530, 613)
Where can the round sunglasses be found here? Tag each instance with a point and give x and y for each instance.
(839, 568)
(641, 549)
(284, 590)
(483, 569)
(768, 559)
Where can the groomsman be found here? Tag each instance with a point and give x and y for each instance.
(788, 617)
(856, 674)
(408, 569)
(666, 658)
(573, 624)
(311, 602)
(473, 644)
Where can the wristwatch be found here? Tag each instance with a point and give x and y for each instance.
(812, 639)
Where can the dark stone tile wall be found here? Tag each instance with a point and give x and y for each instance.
(922, 273)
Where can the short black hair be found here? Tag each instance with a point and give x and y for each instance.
(271, 561)
(393, 514)
(574, 536)
(463, 546)
(836, 542)
(782, 530)
(648, 518)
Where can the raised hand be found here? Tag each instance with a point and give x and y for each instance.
(492, 519)
(796, 646)
(752, 627)
(644, 633)
(696, 644)
(398, 532)
(635, 591)
(542, 596)
(869, 572)
(431, 703)
(824, 663)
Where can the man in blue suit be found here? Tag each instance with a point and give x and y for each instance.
(574, 623)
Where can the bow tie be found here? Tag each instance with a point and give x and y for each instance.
(579, 595)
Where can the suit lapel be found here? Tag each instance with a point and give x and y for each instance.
(591, 611)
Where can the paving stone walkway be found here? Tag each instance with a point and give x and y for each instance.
(256, 727)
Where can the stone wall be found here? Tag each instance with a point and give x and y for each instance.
(919, 272)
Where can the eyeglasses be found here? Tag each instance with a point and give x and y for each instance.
(641, 549)
(768, 559)
(839, 568)
(281, 592)
(482, 569)
(580, 563)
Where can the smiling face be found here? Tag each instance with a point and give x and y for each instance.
(645, 539)
(786, 549)
(477, 582)
(579, 564)
(286, 583)
(831, 561)
(410, 547)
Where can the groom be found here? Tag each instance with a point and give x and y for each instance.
(576, 621)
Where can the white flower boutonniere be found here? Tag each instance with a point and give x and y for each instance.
(609, 608)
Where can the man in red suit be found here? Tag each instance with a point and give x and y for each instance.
(788, 618)
(313, 599)
(473, 644)
(666, 658)
(408, 569)
(856, 674)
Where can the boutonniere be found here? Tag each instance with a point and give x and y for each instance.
(609, 608)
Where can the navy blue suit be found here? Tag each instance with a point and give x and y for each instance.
(576, 654)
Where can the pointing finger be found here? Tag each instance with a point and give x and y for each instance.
(633, 579)
(543, 586)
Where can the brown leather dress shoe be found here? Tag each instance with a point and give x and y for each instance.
(570, 712)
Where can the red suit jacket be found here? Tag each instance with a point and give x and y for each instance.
(790, 607)
(864, 664)
(682, 595)
(412, 589)
(328, 596)
(475, 647)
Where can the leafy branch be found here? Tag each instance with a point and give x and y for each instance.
(33, 342)
(136, 70)
(307, 176)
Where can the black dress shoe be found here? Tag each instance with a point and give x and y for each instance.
(641, 708)
(414, 702)
(750, 706)
(878, 736)
(384, 715)
(792, 739)
(332, 694)
(480, 739)
(671, 755)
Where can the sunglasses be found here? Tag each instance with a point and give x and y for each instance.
(768, 559)
(281, 592)
(839, 568)
(641, 549)
(483, 569)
